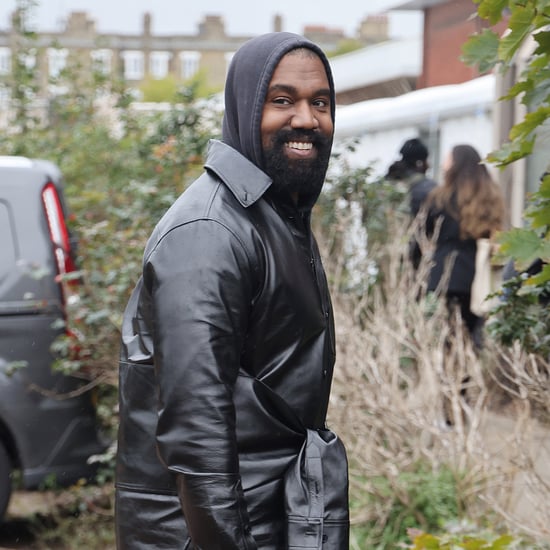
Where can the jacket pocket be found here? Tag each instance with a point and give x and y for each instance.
(138, 466)
(316, 494)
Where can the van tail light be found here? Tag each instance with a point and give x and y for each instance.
(59, 235)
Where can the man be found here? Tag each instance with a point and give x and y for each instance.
(228, 339)
(411, 169)
(414, 155)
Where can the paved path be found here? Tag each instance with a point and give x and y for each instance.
(523, 447)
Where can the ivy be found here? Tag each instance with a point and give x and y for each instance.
(528, 22)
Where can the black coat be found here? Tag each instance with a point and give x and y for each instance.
(227, 361)
(420, 187)
(450, 250)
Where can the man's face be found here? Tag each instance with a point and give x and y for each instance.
(296, 126)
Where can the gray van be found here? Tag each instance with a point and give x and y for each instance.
(48, 429)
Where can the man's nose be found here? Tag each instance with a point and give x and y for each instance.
(304, 116)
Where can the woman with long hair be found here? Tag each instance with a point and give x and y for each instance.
(467, 206)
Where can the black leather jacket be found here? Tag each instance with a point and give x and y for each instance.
(227, 358)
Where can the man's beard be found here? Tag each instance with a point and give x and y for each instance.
(302, 176)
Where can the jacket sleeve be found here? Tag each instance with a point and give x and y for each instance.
(199, 280)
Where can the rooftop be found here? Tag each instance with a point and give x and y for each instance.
(377, 63)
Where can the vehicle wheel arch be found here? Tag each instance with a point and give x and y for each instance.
(8, 441)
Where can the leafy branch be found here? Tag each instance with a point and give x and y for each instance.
(528, 34)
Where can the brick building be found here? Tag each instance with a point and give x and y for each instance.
(447, 25)
(133, 57)
(150, 56)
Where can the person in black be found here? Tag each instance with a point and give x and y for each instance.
(228, 341)
(411, 170)
(468, 206)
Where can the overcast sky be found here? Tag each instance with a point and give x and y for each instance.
(240, 16)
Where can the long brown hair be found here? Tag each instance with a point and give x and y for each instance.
(470, 195)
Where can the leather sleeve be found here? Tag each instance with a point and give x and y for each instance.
(199, 279)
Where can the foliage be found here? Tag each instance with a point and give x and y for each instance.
(347, 45)
(416, 498)
(170, 90)
(199, 82)
(426, 541)
(159, 90)
(23, 81)
(528, 244)
(400, 374)
(527, 28)
(521, 317)
(527, 20)
(114, 211)
(78, 517)
(122, 171)
(356, 211)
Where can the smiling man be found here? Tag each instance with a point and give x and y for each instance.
(228, 339)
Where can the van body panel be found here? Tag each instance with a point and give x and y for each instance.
(46, 423)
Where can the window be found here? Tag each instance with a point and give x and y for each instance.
(159, 64)
(28, 59)
(102, 61)
(133, 65)
(5, 61)
(189, 64)
(57, 60)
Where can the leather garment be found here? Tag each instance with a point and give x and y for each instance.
(229, 328)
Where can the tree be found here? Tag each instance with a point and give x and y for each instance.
(528, 28)
(122, 170)
(22, 80)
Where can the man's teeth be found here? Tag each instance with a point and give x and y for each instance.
(300, 145)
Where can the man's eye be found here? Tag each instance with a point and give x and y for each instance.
(322, 103)
(282, 100)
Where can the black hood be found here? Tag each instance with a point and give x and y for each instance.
(247, 82)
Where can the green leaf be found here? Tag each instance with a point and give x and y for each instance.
(523, 245)
(13, 366)
(544, 189)
(543, 40)
(426, 542)
(492, 10)
(511, 151)
(481, 50)
(540, 279)
(502, 542)
(544, 251)
(520, 87)
(540, 216)
(530, 123)
(520, 25)
(539, 94)
(542, 13)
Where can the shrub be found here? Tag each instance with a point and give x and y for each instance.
(420, 497)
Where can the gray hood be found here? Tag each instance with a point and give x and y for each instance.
(247, 82)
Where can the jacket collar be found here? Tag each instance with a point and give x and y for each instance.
(245, 180)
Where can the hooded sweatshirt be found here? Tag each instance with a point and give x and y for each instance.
(246, 87)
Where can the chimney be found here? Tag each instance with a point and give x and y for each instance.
(80, 24)
(212, 27)
(147, 24)
(374, 28)
(277, 23)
